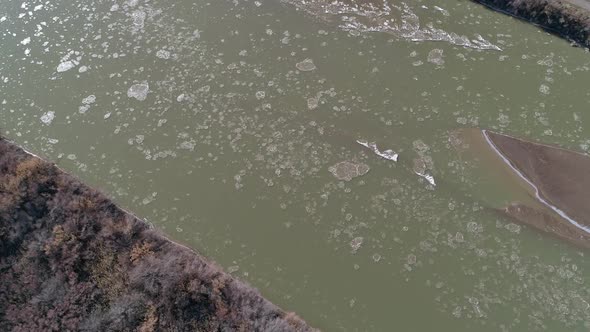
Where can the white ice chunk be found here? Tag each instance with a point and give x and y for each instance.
(386, 154)
(48, 117)
(139, 91)
(65, 66)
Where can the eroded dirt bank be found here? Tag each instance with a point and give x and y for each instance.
(567, 18)
(71, 260)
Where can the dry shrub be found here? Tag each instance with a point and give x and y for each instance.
(24, 170)
(150, 320)
(59, 237)
(108, 275)
(139, 251)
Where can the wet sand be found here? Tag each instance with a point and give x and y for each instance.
(560, 181)
(544, 186)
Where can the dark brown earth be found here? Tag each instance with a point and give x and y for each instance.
(562, 178)
(71, 260)
(567, 18)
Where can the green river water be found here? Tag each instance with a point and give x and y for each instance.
(206, 119)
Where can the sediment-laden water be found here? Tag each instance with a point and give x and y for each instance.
(263, 134)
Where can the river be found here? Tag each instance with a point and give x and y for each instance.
(232, 126)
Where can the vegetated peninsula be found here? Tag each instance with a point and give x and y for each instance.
(567, 18)
(71, 260)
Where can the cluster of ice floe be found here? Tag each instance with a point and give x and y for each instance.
(396, 19)
(86, 103)
(422, 165)
(347, 170)
(48, 117)
(163, 54)
(69, 61)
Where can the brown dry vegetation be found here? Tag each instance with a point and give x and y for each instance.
(556, 16)
(70, 260)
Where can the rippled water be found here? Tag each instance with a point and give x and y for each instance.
(262, 133)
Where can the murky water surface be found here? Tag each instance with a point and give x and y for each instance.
(245, 129)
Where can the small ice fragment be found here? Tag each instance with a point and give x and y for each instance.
(48, 117)
(89, 100)
(65, 66)
(187, 145)
(442, 10)
(139, 91)
(306, 65)
(544, 89)
(163, 54)
(312, 103)
(138, 18)
(436, 56)
(26, 41)
(356, 243)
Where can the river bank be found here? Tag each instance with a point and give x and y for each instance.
(70, 259)
(569, 19)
